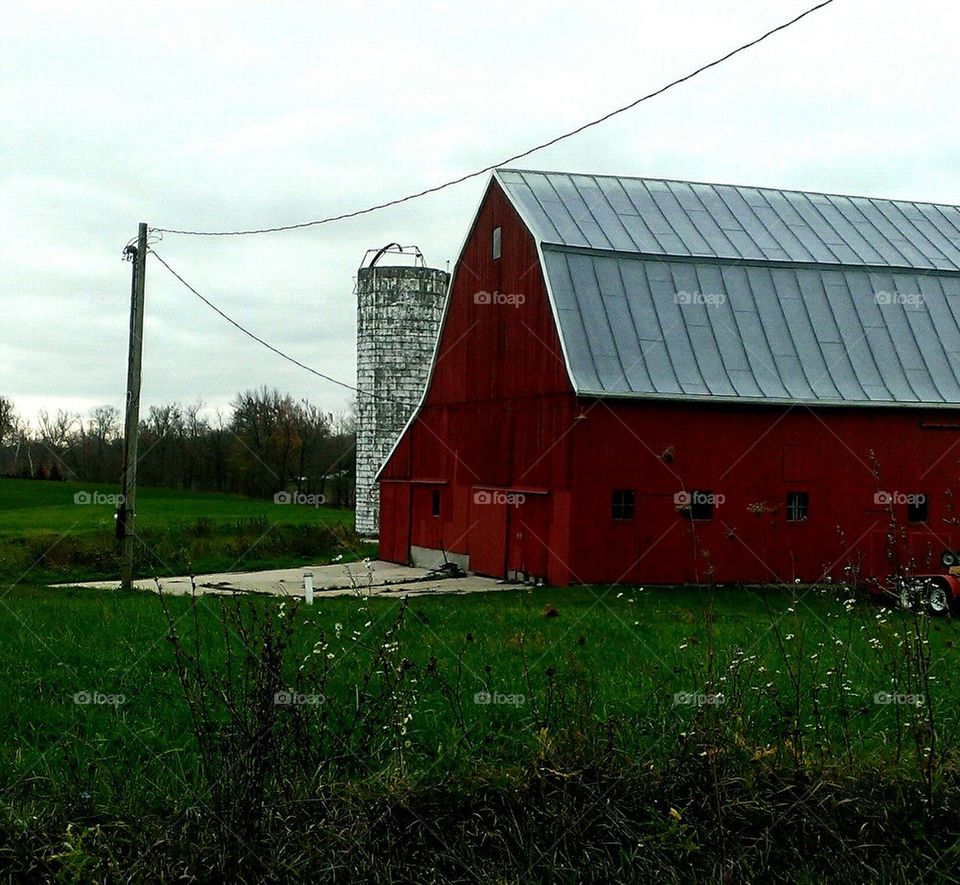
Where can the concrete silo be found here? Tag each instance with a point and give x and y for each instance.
(399, 308)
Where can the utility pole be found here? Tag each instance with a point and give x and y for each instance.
(131, 434)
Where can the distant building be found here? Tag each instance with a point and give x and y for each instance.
(660, 381)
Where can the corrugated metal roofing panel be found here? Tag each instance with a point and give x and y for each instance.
(759, 356)
(945, 218)
(640, 326)
(531, 207)
(676, 218)
(603, 213)
(680, 289)
(575, 202)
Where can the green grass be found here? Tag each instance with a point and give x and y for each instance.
(47, 537)
(39, 507)
(797, 772)
(598, 679)
(631, 654)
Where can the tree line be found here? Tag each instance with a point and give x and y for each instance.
(267, 442)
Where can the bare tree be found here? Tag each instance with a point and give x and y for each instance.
(194, 431)
(340, 455)
(267, 426)
(267, 442)
(314, 432)
(101, 444)
(56, 437)
(8, 419)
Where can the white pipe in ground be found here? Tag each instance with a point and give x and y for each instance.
(308, 587)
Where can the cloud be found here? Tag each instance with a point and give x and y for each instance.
(210, 116)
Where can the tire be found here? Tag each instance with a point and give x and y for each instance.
(907, 595)
(937, 599)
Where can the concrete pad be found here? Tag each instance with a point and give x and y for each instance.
(374, 578)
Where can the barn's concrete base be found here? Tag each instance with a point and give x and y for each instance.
(428, 557)
(374, 579)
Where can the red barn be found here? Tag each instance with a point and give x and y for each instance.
(657, 381)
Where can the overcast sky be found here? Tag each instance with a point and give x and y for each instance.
(236, 115)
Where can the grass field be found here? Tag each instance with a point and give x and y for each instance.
(634, 656)
(46, 536)
(575, 734)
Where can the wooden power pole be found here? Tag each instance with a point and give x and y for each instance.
(131, 434)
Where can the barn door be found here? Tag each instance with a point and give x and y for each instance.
(425, 521)
(488, 536)
(528, 530)
(395, 521)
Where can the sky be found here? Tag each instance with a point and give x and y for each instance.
(215, 115)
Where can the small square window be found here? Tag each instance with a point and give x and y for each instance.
(696, 505)
(918, 507)
(701, 507)
(622, 504)
(497, 237)
(798, 506)
(436, 502)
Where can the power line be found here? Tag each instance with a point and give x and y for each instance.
(269, 346)
(520, 156)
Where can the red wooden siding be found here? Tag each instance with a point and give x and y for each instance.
(491, 353)
(495, 414)
(754, 457)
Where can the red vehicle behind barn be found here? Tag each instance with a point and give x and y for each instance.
(652, 381)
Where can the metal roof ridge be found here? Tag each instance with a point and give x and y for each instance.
(756, 187)
(748, 262)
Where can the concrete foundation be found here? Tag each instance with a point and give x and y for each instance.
(427, 557)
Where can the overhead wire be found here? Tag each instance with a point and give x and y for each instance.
(526, 153)
(159, 231)
(276, 350)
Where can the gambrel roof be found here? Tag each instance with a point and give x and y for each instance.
(683, 290)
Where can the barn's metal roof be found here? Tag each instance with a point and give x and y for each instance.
(682, 290)
(682, 218)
